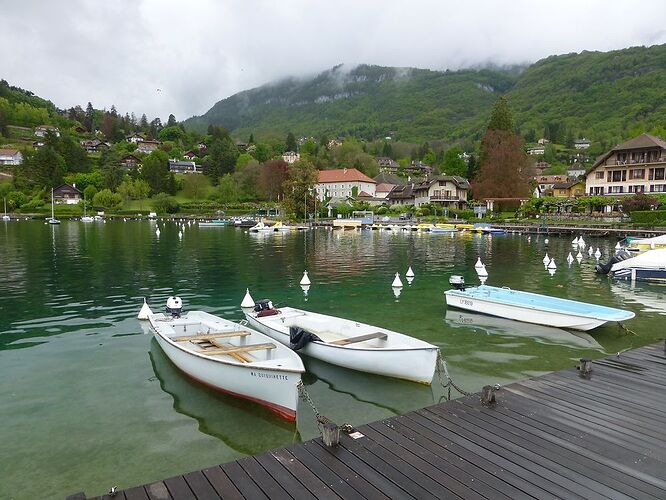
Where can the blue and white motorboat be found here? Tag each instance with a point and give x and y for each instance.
(647, 266)
(531, 307)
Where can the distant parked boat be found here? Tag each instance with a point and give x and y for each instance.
(215, 223)
(229, 357)
(5, 216)
(642, 244)
(531, 307)
(86, 217)
(440, 230)
(52, 219)
(347, 343)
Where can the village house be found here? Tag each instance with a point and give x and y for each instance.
(570, 189)
(184, 167)
(448, 191)
(10, 157)
(543, 141)
(581, 143)
(94, 145)
(201, 146)
(343, 182)
(42, 130)
(576, 170)
(635, 166)
(333, 143)
(190, 155)
(546, 182)
(130, 162)
(386, 164)
(536, 150)
(417, 167)
(146, 146)
(39, 143)
(67, 194)
(540, 167)
(402, 195)
(291, 157)
(135, 138)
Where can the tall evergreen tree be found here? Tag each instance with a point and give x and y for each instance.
(291, 142)
(90, 118)
(171, 121)
(501, 117)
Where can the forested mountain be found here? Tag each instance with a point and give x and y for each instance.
(601, 95)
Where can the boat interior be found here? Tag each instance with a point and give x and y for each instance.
(220, 340)
(336, 331)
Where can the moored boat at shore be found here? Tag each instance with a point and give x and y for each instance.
(229, 357)
(347, 343)
(531, 307)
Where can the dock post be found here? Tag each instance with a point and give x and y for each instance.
(330, 434)
(585, 367)
(488, 395)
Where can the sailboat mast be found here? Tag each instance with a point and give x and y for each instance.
(52, 207)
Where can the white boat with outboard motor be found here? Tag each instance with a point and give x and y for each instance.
(346, 343)
(647, 266)
(229, 357)
(531, 307)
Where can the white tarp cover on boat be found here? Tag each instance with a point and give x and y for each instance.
(652, 259)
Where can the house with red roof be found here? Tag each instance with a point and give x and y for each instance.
(343, 183)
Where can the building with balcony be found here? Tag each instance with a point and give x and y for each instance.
(635, 166)
(445, 190)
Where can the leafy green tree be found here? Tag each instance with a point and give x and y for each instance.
(262, 153)
(44, 168)
(501, 117)
(221, 159)
(387, 150)
(111, 169)
(309, 148)
(271, 180)
(247, 179)
(453, 162)
(89, 192)
(107, 200)
(290, 142)
(299, 193)
(155, 171)
(227, 190)
(243, 159)
(171, 133)
(195, 186)
(171, 121)
(74, 155)
(165, 204)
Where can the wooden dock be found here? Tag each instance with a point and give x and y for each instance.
(562, 435)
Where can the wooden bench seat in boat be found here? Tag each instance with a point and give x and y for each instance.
(209, 336)
(214, 351)
(360, 338)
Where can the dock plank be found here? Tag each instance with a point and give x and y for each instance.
(557, 435)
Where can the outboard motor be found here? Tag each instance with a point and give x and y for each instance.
(618, 257)
(264, 308)
(174, 307)
(457, 282)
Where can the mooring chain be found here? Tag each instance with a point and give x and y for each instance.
(622, 327)
(442, 368)
(319, 418)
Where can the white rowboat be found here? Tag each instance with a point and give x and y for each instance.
(350, 344)
(231, 358)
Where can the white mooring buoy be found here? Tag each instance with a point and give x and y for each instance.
(545, 241)
(545, 259)
(478, 264)
(409, 273)
(305, 280)
(145, 311)
(552, 265)
(247, 302)
(397, 283)
(597, 254)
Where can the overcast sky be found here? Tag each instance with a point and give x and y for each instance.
(200, 51)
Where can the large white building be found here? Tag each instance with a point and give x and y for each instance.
(635, 166)
(344, 182)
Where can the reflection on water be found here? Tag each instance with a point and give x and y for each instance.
(221, 415)
(77, 370)
(506, 327)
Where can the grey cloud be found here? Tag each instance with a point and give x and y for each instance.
(121, 52)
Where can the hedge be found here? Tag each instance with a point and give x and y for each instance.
(654, 217)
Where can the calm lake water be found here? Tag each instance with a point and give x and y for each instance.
(88, 400)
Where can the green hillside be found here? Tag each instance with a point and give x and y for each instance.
(603, 96)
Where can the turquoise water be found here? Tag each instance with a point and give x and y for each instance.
(88, 400)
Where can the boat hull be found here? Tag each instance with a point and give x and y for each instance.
(461, 300)
(639, 274)
(415, 365)
(273, 389)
